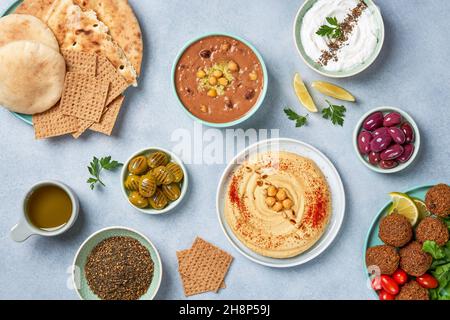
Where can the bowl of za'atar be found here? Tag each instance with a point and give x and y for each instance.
(339, 38)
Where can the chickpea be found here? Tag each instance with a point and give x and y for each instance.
(271, 191)
(281, 195)
(201, 74)
(203, 108)
(277, 206)
(233, 66)
(253, 76)
(225, 46)
(212, 93)
(217, 73)
(212, 81)
(270, 201)
(287, 203)
(223, 81)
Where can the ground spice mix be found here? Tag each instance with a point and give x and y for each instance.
(119, 268)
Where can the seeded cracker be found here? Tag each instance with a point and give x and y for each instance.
(108, 120)
(80, 62)
(84, 97)
(53, 123)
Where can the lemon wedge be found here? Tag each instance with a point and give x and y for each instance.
(422, 207)
(333, 91)
(405, 206)
(303, 95)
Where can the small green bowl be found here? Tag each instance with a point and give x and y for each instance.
(251, 111)
(317, 67)
(78, 275)
(416, 142)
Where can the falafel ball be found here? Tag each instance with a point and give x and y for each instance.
(412, 291)
(395, 230)
(413, 260)
(383, 256)
(437, 200)
(433, 229)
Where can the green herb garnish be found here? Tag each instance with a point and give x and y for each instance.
(96, 166)
(333, 30)
(440, 268)
(300, 121)
(335, 113)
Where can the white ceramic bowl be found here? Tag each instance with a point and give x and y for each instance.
(406, 117)
(184, 183)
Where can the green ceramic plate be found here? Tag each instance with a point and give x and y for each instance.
(25, 117)
(372, 237)
(337, 74)
(78, 276)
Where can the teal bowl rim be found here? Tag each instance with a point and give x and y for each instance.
(406, 117)
(184, 186)
(372, 224)
(158, 257)
(255, 107)
(337, 74)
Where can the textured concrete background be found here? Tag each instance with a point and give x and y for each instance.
(411, 73)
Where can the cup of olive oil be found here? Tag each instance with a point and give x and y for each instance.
(49, 209)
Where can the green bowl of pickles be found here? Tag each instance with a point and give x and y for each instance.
(154, 180)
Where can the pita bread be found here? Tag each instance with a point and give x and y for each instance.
(32, 76)
(41, 9)
(26, 27)
(123, 26)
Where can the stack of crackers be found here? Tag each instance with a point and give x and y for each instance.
(91, 98)
(203, 267)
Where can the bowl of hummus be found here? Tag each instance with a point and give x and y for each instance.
(280, 202)
(339, 38)
(219, 80)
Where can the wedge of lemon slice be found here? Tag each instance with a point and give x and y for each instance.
(333, 91)
(404, 205)
(422, 207)
(303, 95)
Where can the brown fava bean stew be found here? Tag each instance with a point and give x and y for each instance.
(157, 185)
(219, 79)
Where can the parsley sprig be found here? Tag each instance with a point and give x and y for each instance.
(335, 113)
(332, 31)
(96, 166)
(300, 121)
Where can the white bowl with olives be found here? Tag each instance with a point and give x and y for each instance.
(154, 180)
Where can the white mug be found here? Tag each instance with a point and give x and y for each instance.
(24, 229)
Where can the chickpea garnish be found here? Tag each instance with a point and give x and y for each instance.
(281, 195)
(233, 66)
(253, 76)
(223, 81)
(212, 81)
(270, 201)
(212, 93)
(201, 74)
(277, 206)
(203, 108)
(287, 203)
(272, 191)
(217, 73)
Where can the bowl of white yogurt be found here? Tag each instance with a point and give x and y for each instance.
(339, 38)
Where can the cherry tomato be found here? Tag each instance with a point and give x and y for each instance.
(385, 296)
(376, 283)
(427, 281)
(400, 276)
(389, 285)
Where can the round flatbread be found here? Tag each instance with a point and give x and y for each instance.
(26, 27)
(32, 77)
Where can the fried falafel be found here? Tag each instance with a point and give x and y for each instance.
(412, 291)
(395, 230)
(384, 257)
(413, 260)
(433, 229)
(437, 200)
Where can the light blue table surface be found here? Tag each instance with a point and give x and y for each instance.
(412, 73)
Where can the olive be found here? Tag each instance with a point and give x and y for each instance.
(397, 135)
(364, 139)
(407, 153)
(158, 201)
(392, 119)
(163, 175)
(373, 121)
(158, 159)
(138, 165)
(374, 158)
(380, 132)
(380, 143)
(388, 164)
(176, 171)
(132, 182)
(137, 200)
(392, 152)
(171, 191)
(147, 185)
(408, 131)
